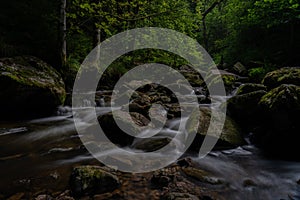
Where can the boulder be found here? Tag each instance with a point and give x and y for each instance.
(250, 87)
(117, 135)
(201, 175)
(229, 79)
(29, 88)
(279, 132)
(229, 138)
(89, 180)
(286, 75)
(151, 144)
(244, 108)
(240, 69)
(192, 76)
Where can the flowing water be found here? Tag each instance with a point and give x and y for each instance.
(40, 154)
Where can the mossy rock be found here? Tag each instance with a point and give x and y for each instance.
(229, 79)
(89, 180)
(286, 75)
(244, 108)
(285, 97)
(279, 132)
(250, 87)
(230, 137)
(282, 107)
(29, 88)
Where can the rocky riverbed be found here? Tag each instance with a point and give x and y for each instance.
(254, 158)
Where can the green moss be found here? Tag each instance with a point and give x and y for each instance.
(231, 133)
(92, 179)
(250, 87)
(29, 71)
(282, 96)
(229, 79)
(287, 75)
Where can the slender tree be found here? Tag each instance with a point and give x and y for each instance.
(63, 33)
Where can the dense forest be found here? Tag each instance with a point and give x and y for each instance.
(265, 32)
(181, 140)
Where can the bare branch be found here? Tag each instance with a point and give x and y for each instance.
(208, 10)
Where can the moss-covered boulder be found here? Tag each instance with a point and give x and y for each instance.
(244, 108)
(280, 128)
(89, 180)
(229, 79)
(230, 136)
(286, 75)
(284, 99)
(250, 87)
(29, 88)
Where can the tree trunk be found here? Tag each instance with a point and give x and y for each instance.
(98, 40)
(63, 32)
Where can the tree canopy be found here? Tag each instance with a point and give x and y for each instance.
(230, 30)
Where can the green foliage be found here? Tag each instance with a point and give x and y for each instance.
(256, 30)
(236, 30)
(79, 45)
(257, 74)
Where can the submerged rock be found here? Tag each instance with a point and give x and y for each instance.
(286, 75)
(29, 88)
(88, 180)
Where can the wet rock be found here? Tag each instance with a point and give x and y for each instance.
(284, 99)
(117, 135)
(250, 87)
(229, 79)
(245, 110)
(249, 183)
(230, 136)
(65, 196)
(43, 197)
(17, 196)
(286, 75)
(239, 68)
(192, 76)
(29, 88)
(180, 196)
(280, 125)
(162, 178)
(185, 162)
(201, 175)
(88, 180)
(151, 144)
